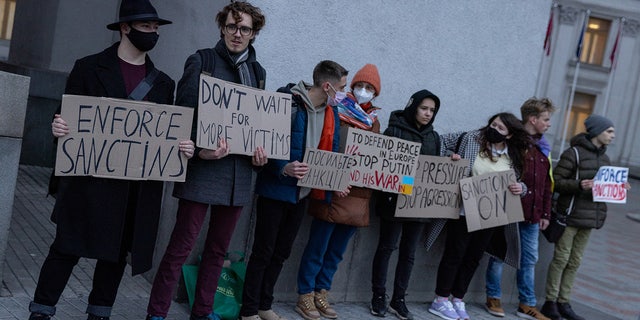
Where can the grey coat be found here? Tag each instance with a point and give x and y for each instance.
(225, 181)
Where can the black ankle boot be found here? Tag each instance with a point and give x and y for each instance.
(550, 310)
(567, 312)
(39, 316)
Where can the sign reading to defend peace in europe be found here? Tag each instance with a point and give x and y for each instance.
(245, 117)
(488, 202)
(436, 192)
(381, 162)
(327, 170)
(122, 139)
(608, 185)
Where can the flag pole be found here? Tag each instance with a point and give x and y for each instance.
(614, 61)
(567, 112)
(546, 49)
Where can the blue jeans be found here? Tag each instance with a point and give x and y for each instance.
(324, 250)
(525, 275)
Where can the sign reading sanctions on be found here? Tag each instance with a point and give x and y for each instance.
(245, 117)
(381, 162)
(436, 192)
(327, 170)
(125, 139)
(488, 202)
(608, 185)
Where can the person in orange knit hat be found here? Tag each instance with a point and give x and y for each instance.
(335, 222)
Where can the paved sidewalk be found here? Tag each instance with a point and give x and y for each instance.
(607, 286)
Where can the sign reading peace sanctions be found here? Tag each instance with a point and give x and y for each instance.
(245, 117)
(123, 139)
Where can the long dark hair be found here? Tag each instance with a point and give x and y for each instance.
(518, 144)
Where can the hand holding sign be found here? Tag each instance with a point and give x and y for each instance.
(219, 153)
(259, 157)
(296, 169)
(187, 147)
(59, 127)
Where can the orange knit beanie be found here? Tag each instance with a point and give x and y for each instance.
(369, 74)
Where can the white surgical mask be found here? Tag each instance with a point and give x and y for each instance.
(363, 95)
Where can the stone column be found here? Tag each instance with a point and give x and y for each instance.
(14, 91)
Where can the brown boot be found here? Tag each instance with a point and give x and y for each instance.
(321, 300)
(494, 307)
(306, 307)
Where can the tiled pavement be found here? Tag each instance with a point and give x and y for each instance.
(607, 286)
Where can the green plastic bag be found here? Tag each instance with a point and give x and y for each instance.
(228, 298)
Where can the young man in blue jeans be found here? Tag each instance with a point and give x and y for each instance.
(536, 205)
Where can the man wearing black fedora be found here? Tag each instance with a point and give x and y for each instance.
(99, 218)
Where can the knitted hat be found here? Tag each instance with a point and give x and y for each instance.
(136, 10)
(596, 124)
(368, 74)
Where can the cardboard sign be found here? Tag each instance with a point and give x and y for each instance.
(436, 191)
(488, 202)
(327, 170)
(122, 139)
(245, 117)
(381, 162)
(608, 185)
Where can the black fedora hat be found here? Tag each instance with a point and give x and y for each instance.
(136, 10)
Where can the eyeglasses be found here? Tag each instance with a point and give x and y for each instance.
(232, 28)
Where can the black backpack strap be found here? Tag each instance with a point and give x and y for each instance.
(208, 61)
(144, 86)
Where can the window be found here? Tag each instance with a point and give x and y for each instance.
(7, 11)
(582, 107)
(595, 41)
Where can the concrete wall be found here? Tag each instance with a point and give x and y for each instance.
(478, 57)
(14, 91)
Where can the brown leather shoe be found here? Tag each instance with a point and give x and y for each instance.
(306, 307)
(529, 312)
(494, 307)
(321, 300)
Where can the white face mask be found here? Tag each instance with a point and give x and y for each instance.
(363, 95)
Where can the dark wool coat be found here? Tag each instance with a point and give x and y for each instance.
(225, 181)
(586, 213)
(90, 213)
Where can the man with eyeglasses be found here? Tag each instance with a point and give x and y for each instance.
(215, 179)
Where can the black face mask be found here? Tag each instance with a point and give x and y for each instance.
(144, 41)
(493, 136)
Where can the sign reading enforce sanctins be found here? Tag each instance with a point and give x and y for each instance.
(123, 139)
(327, 170)
(608, 185)
(245, 117)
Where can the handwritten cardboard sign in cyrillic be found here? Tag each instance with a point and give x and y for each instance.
(123, 139)
(245, 117)
(327, 170)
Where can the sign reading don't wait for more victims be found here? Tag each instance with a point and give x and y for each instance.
(122, 139)
(245, 117)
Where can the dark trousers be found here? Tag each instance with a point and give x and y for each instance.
(55, 274)
(390, 232)
(277, 225)
(462, 253)
(189, 220)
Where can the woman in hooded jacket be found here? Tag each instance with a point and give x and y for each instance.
(414, 123)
